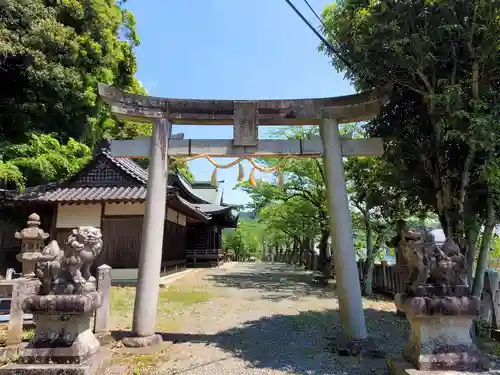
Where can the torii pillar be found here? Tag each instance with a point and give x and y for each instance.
(348, 289)
(148, 287)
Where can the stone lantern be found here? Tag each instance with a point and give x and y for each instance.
(32, 242)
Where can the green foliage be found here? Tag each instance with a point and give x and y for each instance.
(495, 247)
(295, 215)
(182, 167)
(245, 241)
(441, 125)
(53, 54)
(42, 159)
(9, 172)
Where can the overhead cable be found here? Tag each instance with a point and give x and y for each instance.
(318, 34)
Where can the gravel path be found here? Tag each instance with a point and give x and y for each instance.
(268, 319)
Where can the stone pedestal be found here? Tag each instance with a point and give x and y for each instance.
(440, 333)
(63, 328)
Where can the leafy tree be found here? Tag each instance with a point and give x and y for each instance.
(10, 173)
(42, 159)
(245, 241)
(53, 54)
(441, 124)
(299, 210)
(296, 219)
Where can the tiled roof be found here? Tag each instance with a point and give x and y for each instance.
(212, 208)
(49, 193)
(73, 191)
(188, 189)
(129, 166)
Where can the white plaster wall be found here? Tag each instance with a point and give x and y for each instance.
(76, 215)
(118, 209)
(172, 215)
(181, 220)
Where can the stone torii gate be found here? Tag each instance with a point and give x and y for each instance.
(246, 117)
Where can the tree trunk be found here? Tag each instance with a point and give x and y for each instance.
(308, 251)
(369, 261)
(322, 247)
(472, 233)
(484, 250)
(396, 242)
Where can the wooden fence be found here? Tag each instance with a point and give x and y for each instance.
(389, 279)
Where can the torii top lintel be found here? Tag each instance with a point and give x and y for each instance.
(350, 108)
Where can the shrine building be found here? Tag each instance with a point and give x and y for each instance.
(110, 193)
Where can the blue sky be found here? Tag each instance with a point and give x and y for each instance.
(230, 49)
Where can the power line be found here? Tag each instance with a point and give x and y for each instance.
(316, 14)
(318, 34)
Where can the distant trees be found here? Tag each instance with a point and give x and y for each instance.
(245, 241)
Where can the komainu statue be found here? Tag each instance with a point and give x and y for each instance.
(428, 264)
(82, 246)
(48, 266)
(87, 242)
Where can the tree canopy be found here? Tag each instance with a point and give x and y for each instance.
(441, 124)
(52, 56)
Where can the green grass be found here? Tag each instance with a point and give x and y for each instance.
(27, 335)
(171, 301)
(140, 364)
(183, 296)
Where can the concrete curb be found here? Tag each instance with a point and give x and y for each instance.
(169, 279)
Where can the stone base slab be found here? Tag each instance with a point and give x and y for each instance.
(84, 347)
(440, 333)
(141, 341)
(92, 366)
(398, 366)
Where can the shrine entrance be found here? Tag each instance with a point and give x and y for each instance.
(246, 117)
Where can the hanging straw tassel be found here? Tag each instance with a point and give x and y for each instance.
(280, 181)
(241, 172)
(251, 178)
(213, 179)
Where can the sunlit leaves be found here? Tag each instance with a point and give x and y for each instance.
(441, 124)
(43, 159)
(53, 55)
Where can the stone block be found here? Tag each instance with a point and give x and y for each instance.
(442, 306)
(63, 328)
(63, 304)
(75, 343)
(142, 341)
(398, 366)
(440, 333)
(91, 366)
